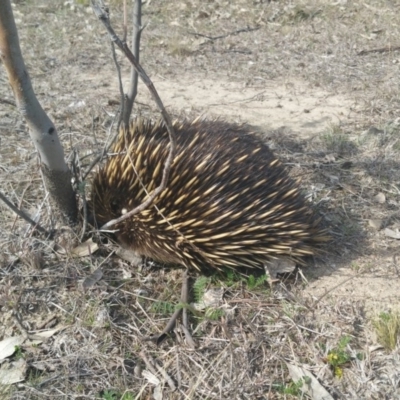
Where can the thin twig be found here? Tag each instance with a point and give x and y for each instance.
(81, 190)
(189, 339)
(120, 85)
(20, 204)
(234, 33)
(153, 367)
(146, 360)
(103, 153)
(17, 319)
(23, 215)
(169, 327)
(101, 14)
(380, 50)
(9, 102)
(165, 375)
(178, 368)
(185, 299)
(331, 290)
(98, 158)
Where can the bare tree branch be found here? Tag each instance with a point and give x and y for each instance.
(125, 33)
(136, 33)
(234, 33)
(120, 86)
(23, 215)
(102, 15)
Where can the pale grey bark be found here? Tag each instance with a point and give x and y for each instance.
(42, 131)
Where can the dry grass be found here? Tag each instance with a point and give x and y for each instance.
(244, 348)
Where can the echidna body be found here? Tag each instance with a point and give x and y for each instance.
(229, 201)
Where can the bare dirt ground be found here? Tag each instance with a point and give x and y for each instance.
(320, 80)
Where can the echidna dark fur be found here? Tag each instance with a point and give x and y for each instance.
(229, 201)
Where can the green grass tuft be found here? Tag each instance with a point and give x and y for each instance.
(387, 328)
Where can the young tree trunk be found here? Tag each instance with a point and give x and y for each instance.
(42, 131)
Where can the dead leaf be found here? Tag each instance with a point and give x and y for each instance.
(380, 198)
(47, 334)
(12, 372)
(329, 158)
(7, 346)
(128, 255)
(158, 393)
(151, 378)
(334, 179)
(375, 223)
(395, 226)
(392, 234)
(41, 337)
(85, 249)
(310, 386)
(92, 279)
(44, 366)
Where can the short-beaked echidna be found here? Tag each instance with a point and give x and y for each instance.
(229, 201)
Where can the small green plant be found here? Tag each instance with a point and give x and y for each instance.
(256, 282)
(300, 14)
(292, 388)
(34, 376)
(339, 356)
(289, 309)
(396, 146)
(128, 396)
(162, 307)
(387, 327)
(178, 47)
(111, 394)
(214, 314)
(199, 288)
(19, 353)
(80, 388)
(355, 267)
(336, 141)
(231, 277)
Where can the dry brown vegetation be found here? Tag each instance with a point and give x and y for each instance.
(303, 73)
